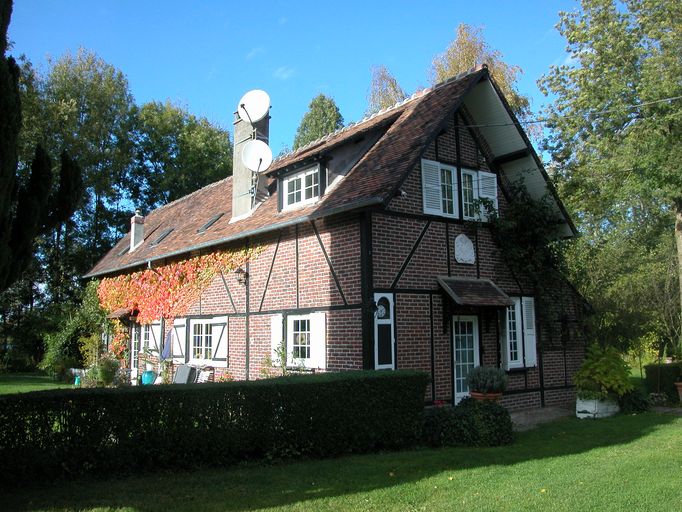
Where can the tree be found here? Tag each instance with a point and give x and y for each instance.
(322, 118)
(176, 153)
(469, 50)
(616, 123)
(384, 90)
(28, 206)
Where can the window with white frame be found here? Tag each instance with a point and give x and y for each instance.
(303, 337)
(202, 340)
(302, 188)
(469, 194)
(146, 336)
(519, 334)
(135, 348)
(479, 193)
(439, 189)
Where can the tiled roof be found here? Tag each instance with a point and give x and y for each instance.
(408, 126)
(466, 291)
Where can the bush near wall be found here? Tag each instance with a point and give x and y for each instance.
(65, 432)
(470, 423)
(666, 375)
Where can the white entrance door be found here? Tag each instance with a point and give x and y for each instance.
(465, 351)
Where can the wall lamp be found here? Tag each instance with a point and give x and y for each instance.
(242, 275)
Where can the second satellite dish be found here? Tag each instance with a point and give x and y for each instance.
(257, 155)
(254, 106)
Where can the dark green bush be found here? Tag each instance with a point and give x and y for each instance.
(470, 423)
(52, 433)
(666, 375)
(634, 402)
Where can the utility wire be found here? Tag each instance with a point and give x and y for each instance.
(542, 120)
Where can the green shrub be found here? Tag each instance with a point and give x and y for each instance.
(52, 433)
(487, 379)
(634, 402)
(661, 378)
(602, 374)
(470, 423)
(106, 369)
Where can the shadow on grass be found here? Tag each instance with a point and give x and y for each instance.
(256, 486)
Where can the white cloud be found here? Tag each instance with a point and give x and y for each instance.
(254, 52)
(283, 73)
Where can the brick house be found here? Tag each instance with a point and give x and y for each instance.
(374, 253)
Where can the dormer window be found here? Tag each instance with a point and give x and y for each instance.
(302, 188)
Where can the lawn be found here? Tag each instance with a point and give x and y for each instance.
(23, 382)
(623, 463)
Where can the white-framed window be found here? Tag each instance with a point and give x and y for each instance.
(469, 194)
(302, 188)
(304, 337)
(207, 342)
(439, 189)
(384, 332)
(135, 348)
(478, 188)
(519, 334)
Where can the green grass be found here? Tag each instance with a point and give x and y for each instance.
(628, 463)
(24, 382)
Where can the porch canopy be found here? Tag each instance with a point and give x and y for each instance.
(119, 314)
(468, 291)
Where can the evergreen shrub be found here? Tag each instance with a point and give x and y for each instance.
(64, 432)
(470, 423)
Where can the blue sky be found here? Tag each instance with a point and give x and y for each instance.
(205, 56)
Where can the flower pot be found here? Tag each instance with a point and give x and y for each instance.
(678, 385)
(492, 397)
(148, 377)
(595, 408)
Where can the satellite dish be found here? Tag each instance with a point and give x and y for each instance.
(254, 106)
(257, 155)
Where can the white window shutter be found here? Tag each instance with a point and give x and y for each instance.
(431, 187)
(155, 338)
(504, 342)
(178, 337)
(529, 333)
(487, 189)
(219, 331)
(318, 345)
(276, 336)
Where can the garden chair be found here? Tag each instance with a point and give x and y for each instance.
(185, 374)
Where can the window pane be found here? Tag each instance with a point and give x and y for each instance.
(385, 353)
(468, 195)
(301, 339)
(208, 342)
(446, 191)
(512, 337)
(196, 341)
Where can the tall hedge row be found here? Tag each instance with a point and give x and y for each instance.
(661, 378)
(100, 430)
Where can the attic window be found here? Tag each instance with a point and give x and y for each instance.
(210, 223)
(302, 188)
(161, 237)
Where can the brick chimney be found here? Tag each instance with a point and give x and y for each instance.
(136, 230)
(245, 186)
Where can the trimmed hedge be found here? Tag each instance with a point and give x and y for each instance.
(59, 432)
(669, 374)
(470, 423)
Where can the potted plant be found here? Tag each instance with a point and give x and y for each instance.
(601, 379)
(486, 383)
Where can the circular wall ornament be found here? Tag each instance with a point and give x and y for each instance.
(464, 250)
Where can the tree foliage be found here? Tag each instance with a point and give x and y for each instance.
(176, 153)
(468, 50)
(322, 118)
(29, 204)
(615, 138)
(384, 90)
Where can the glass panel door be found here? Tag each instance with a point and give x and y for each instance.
(465, 352)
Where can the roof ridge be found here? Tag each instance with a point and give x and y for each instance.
(416, 95)
(191, 194)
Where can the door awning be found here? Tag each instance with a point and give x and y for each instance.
(467, 291)
(119, 313)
